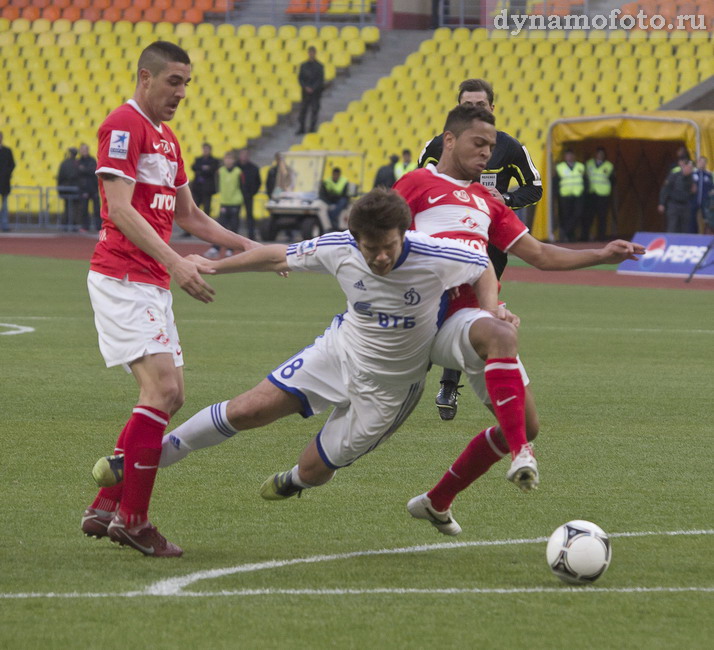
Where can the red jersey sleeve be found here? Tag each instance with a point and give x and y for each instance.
(506, 228)
(119, 147)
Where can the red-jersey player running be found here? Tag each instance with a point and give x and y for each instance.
(446, 203)
(143, 187)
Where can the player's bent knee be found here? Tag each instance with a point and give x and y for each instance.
(494, 338)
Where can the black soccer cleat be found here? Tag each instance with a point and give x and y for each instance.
(447, 399)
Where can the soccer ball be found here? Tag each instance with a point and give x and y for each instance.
(579, 552)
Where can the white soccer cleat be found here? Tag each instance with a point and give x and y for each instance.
(524, 470)
(420, 508)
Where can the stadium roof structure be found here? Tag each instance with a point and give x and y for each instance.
(643, 148)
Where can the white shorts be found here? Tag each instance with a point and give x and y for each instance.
(367, 411)
(132, 320)
(452, 349)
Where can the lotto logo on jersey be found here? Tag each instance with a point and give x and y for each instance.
(163, 202)
(119, 145)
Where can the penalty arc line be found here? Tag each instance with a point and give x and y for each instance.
(173, 587)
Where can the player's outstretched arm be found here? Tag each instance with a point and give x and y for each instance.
(486, 288)
(548, 257)
(266, 258)
(185, 273)
(194, 220)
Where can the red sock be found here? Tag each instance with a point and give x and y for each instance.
(478, 457)
(109, 498)
(508, 397)
(142, 450)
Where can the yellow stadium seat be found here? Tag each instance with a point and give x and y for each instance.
(370, 34)
(164, 30)
(184, 29)
(307, 32)
(349, 33)
(40, 26)
(226, 30)
(144, 28)
(20, 25)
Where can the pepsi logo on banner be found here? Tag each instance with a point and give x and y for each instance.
(672, 254)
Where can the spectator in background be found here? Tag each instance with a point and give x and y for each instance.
(334, 192)
(230, 190)
(404, 165)
(88, 190)
(251, 186)
(676, 196)
(279, 179)
(569, 185)
(68, 188)
(600, 177)
(7, 165)
(312, 81)
(703, 186)
(385, 174)
(204, 183)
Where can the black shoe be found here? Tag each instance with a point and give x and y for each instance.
(447, 399)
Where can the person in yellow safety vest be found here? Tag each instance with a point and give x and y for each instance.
(569, 183)
(404, 165)
(334, 192)
(601, 178)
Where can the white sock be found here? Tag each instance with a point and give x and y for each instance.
(297, 480)
(207, 428)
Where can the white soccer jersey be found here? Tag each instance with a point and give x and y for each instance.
(390, 322)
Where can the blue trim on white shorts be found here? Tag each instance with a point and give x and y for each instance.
(306, 408)
(323, 454)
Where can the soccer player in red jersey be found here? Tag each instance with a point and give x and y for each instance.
(144, 188)
(446, 203)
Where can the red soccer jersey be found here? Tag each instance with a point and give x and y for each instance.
(442, 206)
(132, 147)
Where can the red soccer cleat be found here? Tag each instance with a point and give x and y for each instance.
(145, 538)
(94, 524)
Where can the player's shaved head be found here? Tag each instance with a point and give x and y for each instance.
(378, 212)
(462, 116)
(160, 53)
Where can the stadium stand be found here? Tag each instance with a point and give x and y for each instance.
(538, 77)
(63, 77)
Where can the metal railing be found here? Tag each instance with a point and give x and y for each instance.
(36, 207)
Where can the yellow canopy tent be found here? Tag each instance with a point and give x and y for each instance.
(642, 147)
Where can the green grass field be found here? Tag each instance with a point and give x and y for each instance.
(623, 380)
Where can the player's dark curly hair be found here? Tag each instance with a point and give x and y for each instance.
(155, 56)
(475, 86)
(377, 212)
(460, 118)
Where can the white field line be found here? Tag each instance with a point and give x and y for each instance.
(11, 329)
(174, 587)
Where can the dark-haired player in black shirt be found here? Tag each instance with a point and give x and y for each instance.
(509, 160)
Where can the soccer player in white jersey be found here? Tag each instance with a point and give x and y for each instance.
(371, 363)
(446, 203)
(144, 188)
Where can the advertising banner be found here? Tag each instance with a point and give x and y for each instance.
(672, 254)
